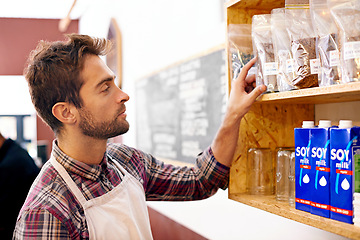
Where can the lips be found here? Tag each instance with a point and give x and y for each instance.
(122, 111)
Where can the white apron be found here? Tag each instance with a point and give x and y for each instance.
(119, 214)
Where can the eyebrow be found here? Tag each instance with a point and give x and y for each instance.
(109, 79)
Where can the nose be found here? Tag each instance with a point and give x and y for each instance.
(122, 96)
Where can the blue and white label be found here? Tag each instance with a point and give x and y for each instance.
(290, 65)
(339, 154)
(352, 50)
(302, 151)
(334, 57)
(270, 68)
(315, 66)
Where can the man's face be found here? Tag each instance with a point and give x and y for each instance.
(102, 115)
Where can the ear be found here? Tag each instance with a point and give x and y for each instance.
(64, 112)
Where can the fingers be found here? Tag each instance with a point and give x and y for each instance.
(246, 68)
(248, 89)
(250, 79)
(257, 92)
(250, 64)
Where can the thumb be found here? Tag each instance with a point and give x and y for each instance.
(257, 92)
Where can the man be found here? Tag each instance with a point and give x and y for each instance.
(91, 189)
(17, 172)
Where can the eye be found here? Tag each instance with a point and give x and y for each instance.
(105, 88)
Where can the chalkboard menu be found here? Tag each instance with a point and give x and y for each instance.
(179, 109)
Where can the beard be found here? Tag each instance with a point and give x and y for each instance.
(104, 129)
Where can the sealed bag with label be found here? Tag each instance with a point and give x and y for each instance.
(327, 45)
(240, 48)
(282, 50)
(346, 15)
(263, 49)
(303, 47)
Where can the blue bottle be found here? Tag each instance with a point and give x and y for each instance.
(341, 175)
(303, 179)
(320, 168)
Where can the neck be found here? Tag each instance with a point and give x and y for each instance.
(85, 149)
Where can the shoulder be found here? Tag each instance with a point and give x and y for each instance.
(118, 150)
(134, 161)
(50, 193)
(125, 153)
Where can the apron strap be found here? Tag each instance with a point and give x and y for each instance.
(68, 180)
(122, 170)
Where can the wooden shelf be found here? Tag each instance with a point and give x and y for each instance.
(271, 121)
(269, 204)
(330, 94)
(255, 4)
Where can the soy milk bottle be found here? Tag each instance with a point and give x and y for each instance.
(356, 174)
(341, 174)
(320, 168)
(304, 182)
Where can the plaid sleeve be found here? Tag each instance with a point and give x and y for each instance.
(39, 224)
(167, 182)
(214, 171)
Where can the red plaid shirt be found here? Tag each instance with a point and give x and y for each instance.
(52, 212)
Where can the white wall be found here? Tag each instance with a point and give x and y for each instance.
(11, 104)
(156, 34)
(15, 100)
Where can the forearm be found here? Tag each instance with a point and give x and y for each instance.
(242, 96)
(225, 141)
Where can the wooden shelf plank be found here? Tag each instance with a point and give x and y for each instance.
(258, 4)
(269, 204)
(231, 3)
(329, 94)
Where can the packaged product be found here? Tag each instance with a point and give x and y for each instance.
(282, 50)
(346, 14)
(263, 49)
(303, 47)
(304, 180)
(327, 45)
(320, 168)
(240, 48)
(343, 146)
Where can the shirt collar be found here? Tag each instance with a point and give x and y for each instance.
(91, 172)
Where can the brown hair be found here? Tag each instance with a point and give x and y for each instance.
(53, 73)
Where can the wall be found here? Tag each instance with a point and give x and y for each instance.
(164, 228)
(156, 34)
(20, 35)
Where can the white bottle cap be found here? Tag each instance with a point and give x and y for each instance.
(308, 124)
(345, 124)
(324, 123)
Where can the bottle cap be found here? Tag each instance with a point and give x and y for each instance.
(308, 124)
(324, 123)
(345, 124)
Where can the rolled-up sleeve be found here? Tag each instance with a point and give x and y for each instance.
(168, 182)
